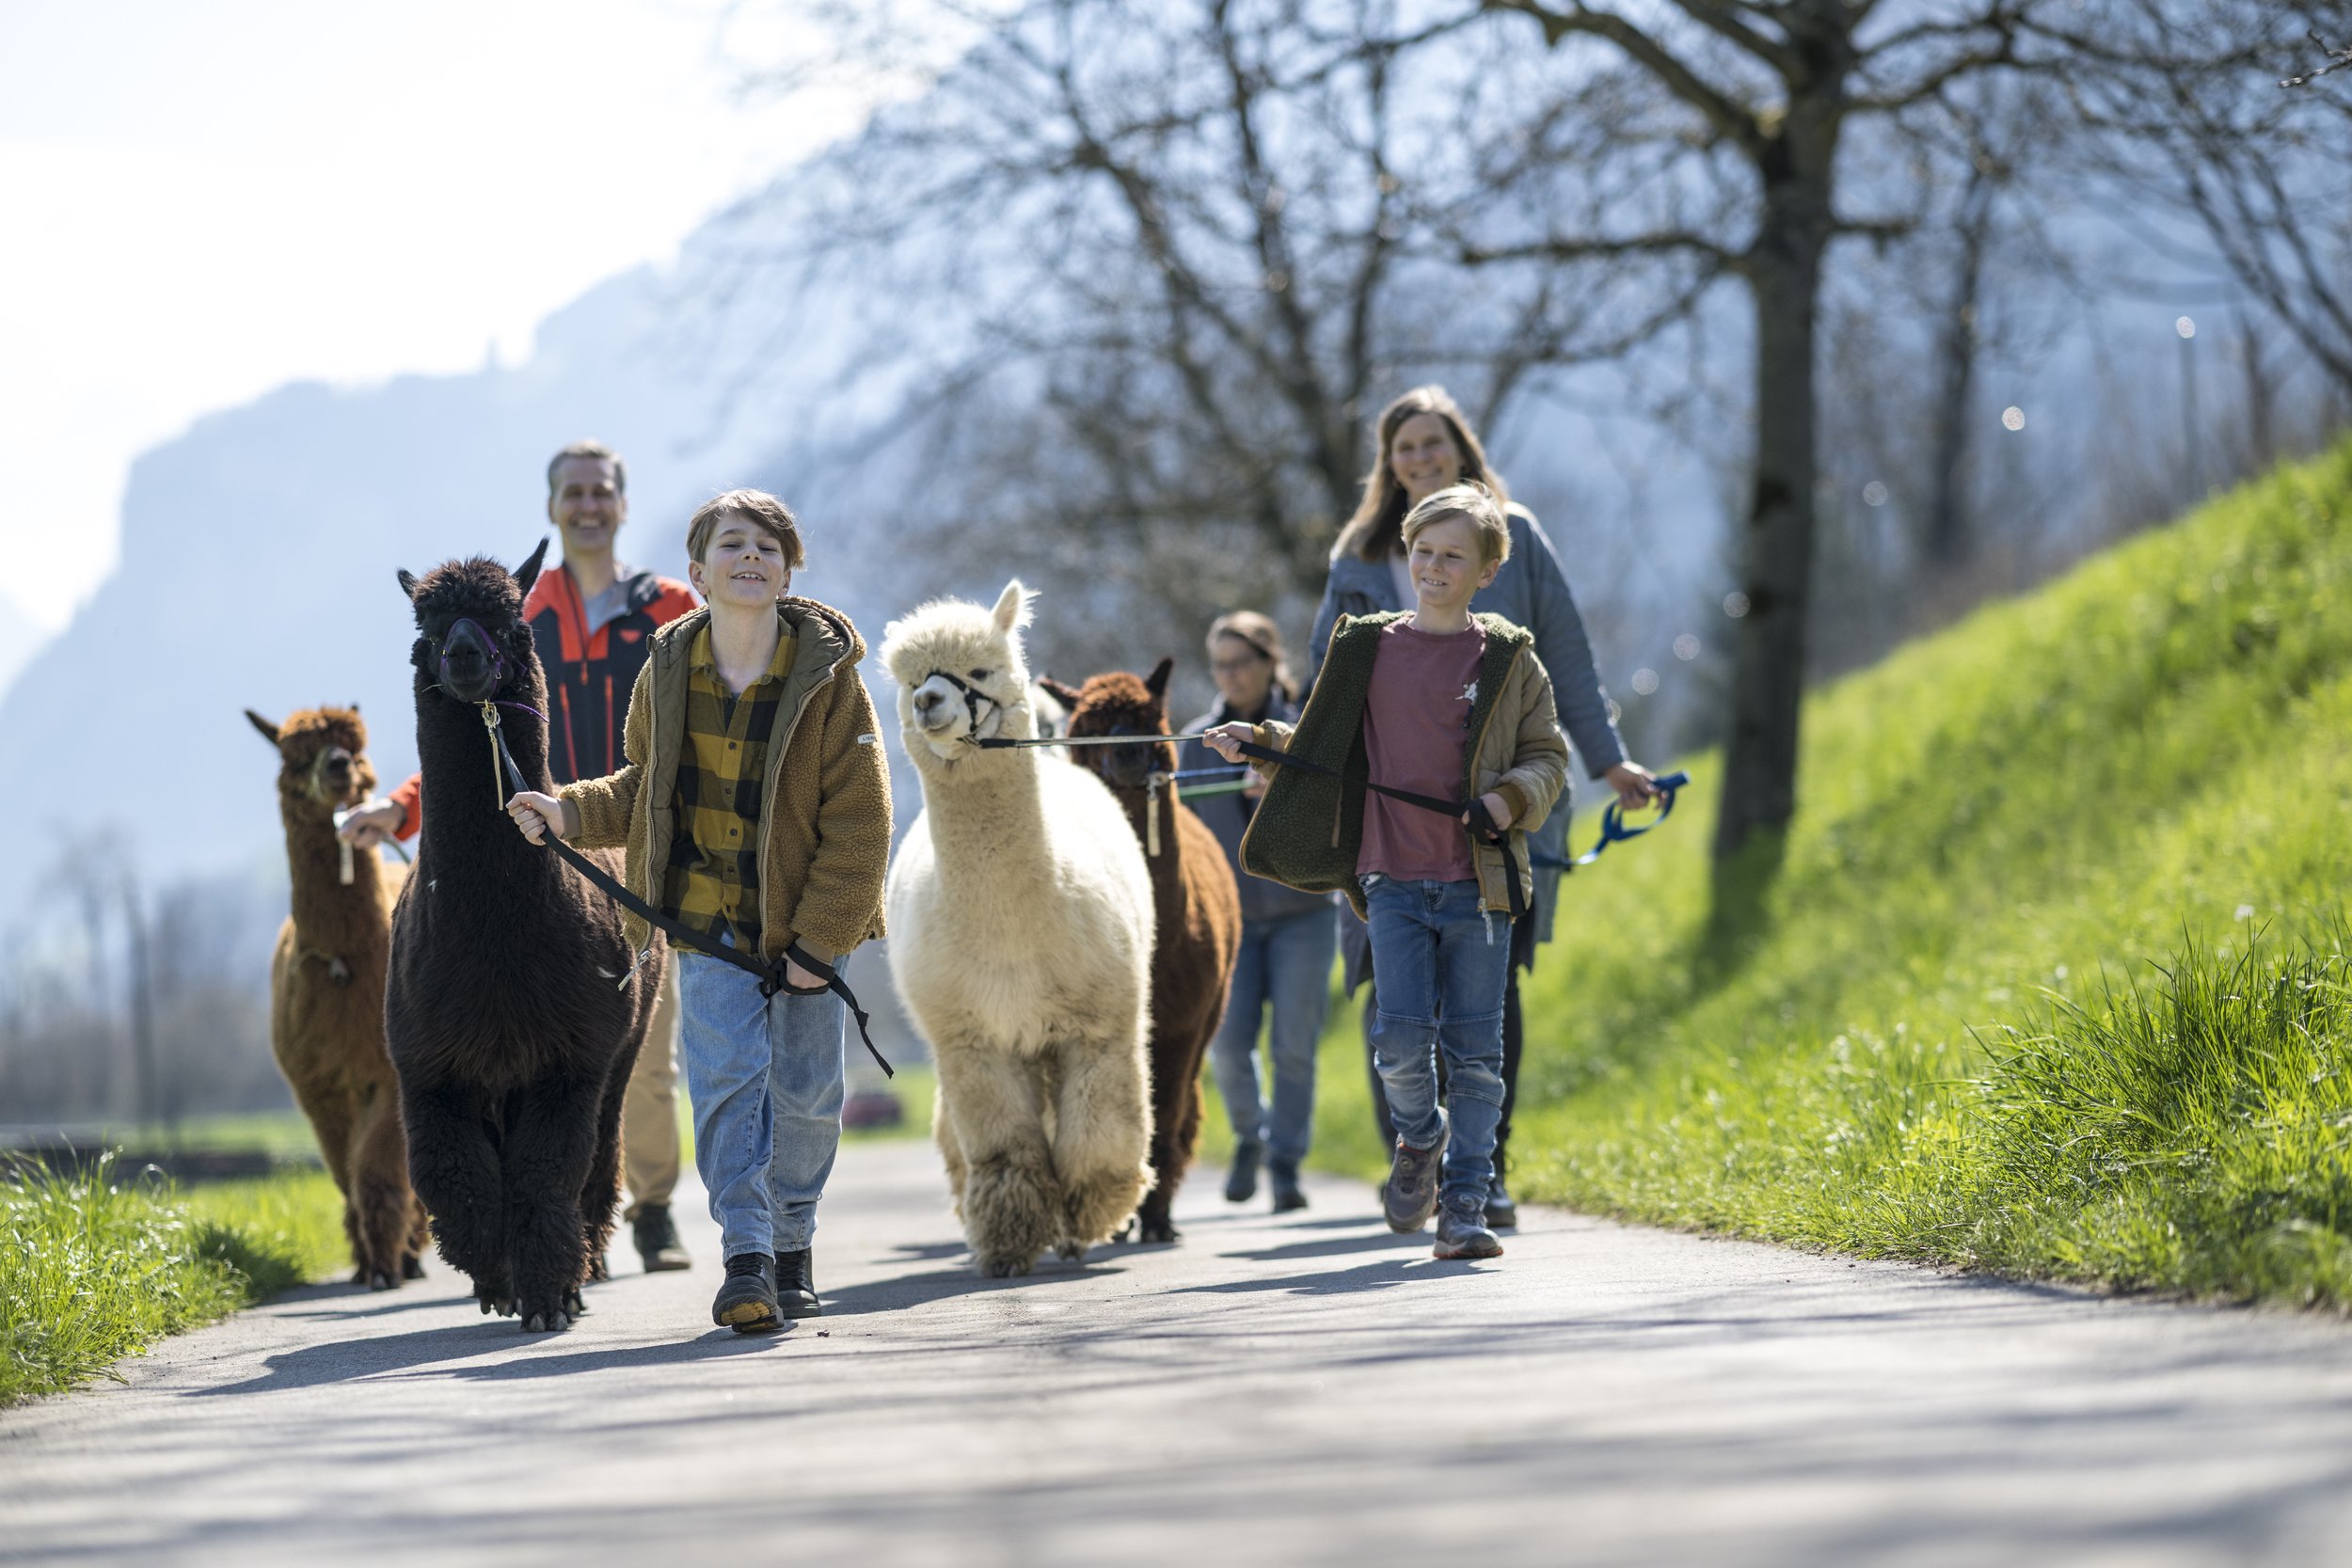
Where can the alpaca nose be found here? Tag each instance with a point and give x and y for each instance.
(926, 704)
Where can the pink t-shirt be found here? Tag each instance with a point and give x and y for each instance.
(1416, 729)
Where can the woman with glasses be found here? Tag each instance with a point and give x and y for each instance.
(1284, 971)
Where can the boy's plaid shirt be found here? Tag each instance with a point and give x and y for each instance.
(712, 880)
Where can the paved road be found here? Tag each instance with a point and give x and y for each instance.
(1311, 1390)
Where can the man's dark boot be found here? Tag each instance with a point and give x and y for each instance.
(746, 1301)
(1240, 1182)
(1282, 1175)
(796, 1286)
(657, 1239)
(1502, 1213)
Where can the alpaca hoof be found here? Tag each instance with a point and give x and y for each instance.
(1004, 1265)
(599, 1268)
(1157, 1232)
(411, 1268)
(574, 1304)
(359, 1274)
(1069, 1252)
(1125, 1233)
(379, 1280)
(546, 1322)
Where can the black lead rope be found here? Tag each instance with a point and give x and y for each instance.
(770, 980)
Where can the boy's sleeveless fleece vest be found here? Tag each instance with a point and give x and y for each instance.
(1309, 827)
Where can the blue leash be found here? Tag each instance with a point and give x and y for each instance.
(1613, 828)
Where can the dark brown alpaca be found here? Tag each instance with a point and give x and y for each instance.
(326, 990)
(515, 1009)
(1198, 908)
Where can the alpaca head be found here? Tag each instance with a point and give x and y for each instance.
(1120, 703)
(960, 675)
(322, 760)
(472, 643)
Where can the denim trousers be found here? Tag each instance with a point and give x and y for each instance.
(1439, 966)
(765, 1077)
(1284, 967)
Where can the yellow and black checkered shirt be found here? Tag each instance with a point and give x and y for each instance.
(712, 880)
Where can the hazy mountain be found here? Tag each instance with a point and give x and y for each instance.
(258, 563)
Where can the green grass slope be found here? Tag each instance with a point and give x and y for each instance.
(2055, 978)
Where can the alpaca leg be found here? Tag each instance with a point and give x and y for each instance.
(550, 1145)
(380, 1198)
(455, 1167)
(950, 1147)
(1103, 1136)
(332, 1110)
(1175, 1127)
(600, 1195)
(1011, 1208)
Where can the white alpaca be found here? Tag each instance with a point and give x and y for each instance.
(1020, 911)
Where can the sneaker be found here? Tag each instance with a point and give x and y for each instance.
(1502, 1212)
(657, 1239)
(1283, 1176)
(1410, 1194)
(1240, 1182)
(746, 1301)
(1462, 1232)
(796, 1286)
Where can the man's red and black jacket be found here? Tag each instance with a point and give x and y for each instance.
(590, 675)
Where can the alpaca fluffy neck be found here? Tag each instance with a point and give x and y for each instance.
(985, 806)
(468, 836)
(340, 920)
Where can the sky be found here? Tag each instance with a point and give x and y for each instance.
(203, 202)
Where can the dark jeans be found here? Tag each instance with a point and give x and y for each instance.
(1514, 1039)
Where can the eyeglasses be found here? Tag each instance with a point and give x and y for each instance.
(1234, 666)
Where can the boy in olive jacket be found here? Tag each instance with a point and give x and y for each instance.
(755, 809)
(1442, 703)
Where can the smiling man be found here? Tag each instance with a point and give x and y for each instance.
(594, 621)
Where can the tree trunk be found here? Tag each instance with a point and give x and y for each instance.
(1948, 535)
(1760, 763)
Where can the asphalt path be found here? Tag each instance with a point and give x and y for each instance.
(1304, 1390)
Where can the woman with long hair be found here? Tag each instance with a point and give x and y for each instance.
(1426, 444)
(1287, 937)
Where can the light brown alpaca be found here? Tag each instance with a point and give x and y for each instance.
(327, 992)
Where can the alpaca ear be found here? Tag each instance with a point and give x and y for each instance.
(1012, 606)
(528, 573)
(269, 731)
(1156, 682)
(408, 583)
(1066, 695)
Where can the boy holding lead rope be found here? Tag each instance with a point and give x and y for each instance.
(755, 810)
(1446, 706)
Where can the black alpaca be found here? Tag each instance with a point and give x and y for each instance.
(513, 1009)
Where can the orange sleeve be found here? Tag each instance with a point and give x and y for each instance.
(409, 798)
(676, 599)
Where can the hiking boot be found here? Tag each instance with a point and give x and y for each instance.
(657, 1239)
(747, 1297)
(1502, 1212)
(1410, 1196)
(1283, 1175)
(1462, 1231)
(796, 1286)
(1240, 1182)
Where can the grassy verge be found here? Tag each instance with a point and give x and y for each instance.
(2006, 1005)
(95, 1267)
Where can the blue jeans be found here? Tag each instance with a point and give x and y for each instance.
(1438, 964)
(766, 1082)
(1283, 964)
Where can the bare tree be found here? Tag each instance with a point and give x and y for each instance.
(1742, 116)
(1185, 245)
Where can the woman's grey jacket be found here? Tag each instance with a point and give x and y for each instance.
(1533, 590)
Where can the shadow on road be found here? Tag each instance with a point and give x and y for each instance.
(519, 1356)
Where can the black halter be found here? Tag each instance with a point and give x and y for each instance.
(490, 648)
(973, 695)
